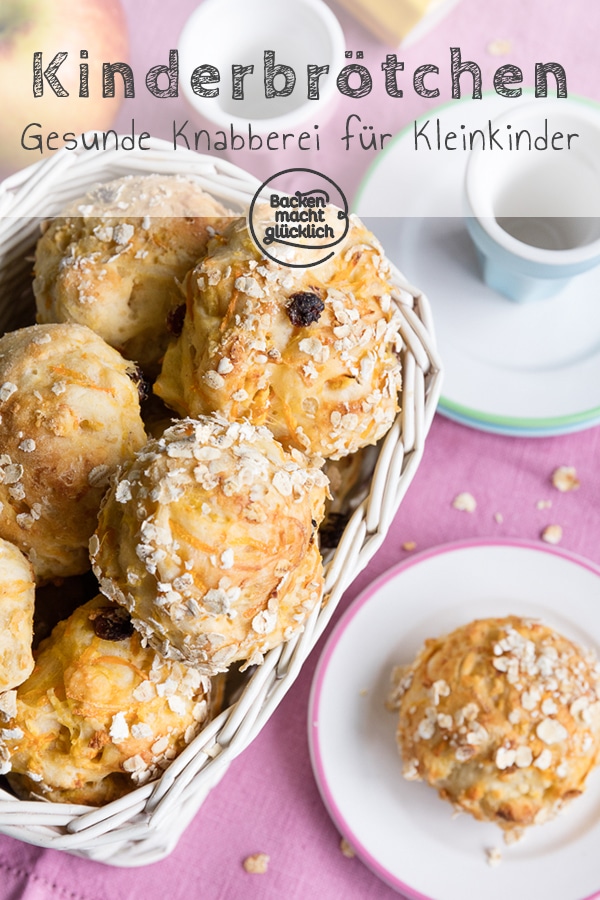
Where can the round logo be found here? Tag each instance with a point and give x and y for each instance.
(297, 218)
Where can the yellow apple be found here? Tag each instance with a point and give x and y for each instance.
(50, 27)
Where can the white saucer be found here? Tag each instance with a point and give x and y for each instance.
(402, 830)
(531, 368)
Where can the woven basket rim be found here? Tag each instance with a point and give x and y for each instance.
(144, 825)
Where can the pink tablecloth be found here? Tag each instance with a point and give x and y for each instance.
(268, 801)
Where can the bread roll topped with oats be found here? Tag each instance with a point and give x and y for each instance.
(312, 353)
(69, 415)
(111, 261)
(209, 539)
(17, 598)
(502, 716)
(101, 714)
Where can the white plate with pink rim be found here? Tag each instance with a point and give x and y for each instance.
(402, 830)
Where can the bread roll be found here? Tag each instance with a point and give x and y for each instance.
(502, 717)
(208, 538)
(69, 415)
(311, 353)
(101, 713)
(17, 598)
(111, 261)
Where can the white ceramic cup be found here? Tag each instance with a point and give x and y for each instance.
(534, 214)
(227, 32)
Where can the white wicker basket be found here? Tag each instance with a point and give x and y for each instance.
(145, 825)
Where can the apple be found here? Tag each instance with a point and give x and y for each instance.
(51, 27)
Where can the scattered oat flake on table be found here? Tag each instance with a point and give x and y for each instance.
(257, 863)
(499, 518)
(493, 855)
(552, 534)
(565, 479)
(465, 502)
(409, 545)
(499, 47)
(543, 504)
(347, 849)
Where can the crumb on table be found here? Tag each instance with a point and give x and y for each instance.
(257, 863)
(465, 502)
(552, 534)
(347, 849)
(564, 478)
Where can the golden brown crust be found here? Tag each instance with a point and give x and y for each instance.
(112, 260)
(70, 415)
(100, 714)
(502, 716)
(17, 597)
(208, 539)
(327, 387)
